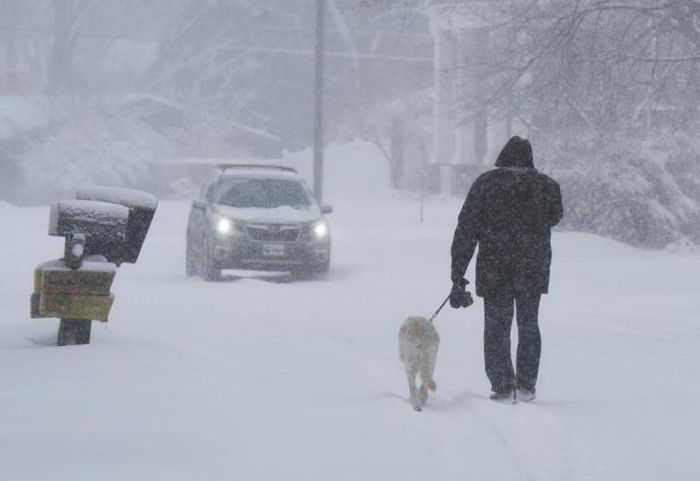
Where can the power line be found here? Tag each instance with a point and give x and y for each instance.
(369, 31)
(332, 53)
(271, 50)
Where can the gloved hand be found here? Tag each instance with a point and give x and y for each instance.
(459, 296)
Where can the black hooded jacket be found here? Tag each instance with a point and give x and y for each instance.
(509, 213)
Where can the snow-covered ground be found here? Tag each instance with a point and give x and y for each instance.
(250, 379)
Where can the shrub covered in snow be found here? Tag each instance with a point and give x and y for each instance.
(642, 193)
(94, 148)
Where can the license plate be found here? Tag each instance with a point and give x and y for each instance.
(273, 250)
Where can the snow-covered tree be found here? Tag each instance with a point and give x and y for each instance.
(252, 62)
(95, 149)
(607, 90)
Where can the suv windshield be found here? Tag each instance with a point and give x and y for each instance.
(262, 193)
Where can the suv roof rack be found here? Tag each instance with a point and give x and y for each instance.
(225, 167)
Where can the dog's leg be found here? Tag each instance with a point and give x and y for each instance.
(423, 395)
(412, 389)
(426, 371)
(427, 367)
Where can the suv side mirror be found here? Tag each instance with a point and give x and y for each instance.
(199, 204)
(326, 209)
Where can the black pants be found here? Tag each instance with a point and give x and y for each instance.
(498, 319)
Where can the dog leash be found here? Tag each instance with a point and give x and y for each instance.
(440, 308)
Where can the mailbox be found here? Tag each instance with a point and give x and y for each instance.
(141, 207)
(103, 228)
(94, 219)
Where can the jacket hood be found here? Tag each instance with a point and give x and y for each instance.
(516, 153)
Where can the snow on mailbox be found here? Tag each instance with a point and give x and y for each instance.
(103, 228)
(141, 206)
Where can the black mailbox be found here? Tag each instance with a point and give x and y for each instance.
(90, 218)
(102, 227)
(141, 207)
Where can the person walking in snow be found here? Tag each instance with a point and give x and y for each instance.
(509, 212)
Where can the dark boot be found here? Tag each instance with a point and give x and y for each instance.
(507, 397)
(525, 395)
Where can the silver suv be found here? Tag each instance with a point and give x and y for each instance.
(257, 217)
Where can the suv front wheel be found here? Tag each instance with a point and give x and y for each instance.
(190, 260)
(211, 271)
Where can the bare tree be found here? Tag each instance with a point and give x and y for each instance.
(600, 63)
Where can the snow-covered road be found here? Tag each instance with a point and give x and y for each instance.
(251, 379)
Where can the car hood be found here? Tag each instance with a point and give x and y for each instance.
(279, 214)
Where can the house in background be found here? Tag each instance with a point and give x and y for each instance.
(464, 138)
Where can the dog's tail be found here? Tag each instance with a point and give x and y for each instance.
(426, 374)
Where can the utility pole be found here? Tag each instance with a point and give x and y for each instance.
(318, 100)
(12, 17)
(61, 55)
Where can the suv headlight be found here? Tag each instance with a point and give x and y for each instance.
(224, 226)
(320, 230)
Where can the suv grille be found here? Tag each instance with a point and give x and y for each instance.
(273, 232)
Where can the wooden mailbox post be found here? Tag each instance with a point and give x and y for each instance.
(76, 296)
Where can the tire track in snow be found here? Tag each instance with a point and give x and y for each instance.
(540, 443)
(498, 458)
(519, 442)
(474, 437)
(463, 447)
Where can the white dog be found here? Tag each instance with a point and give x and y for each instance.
(418, 346)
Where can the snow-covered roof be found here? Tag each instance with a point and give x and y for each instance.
(218, 161)
(237, 167)
(260, 171)
(132, 99)
(118, 195)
